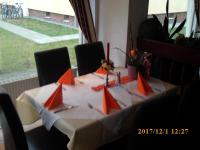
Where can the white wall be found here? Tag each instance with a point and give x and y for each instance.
(112, 27)
(56, 6)
(113, 24)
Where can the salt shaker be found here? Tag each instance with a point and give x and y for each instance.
(118, 78)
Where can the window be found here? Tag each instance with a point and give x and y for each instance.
(66, 17)
(17, 49)
(48, 14)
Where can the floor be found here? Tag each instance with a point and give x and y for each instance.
(26, 128)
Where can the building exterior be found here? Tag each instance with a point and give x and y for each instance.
(59, 11)
(176, 8)
(62, 12)
(53, 10)
(159, 6)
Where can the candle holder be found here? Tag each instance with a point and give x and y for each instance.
(118, 78)
(108, 68)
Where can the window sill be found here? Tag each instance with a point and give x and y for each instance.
(14, 77)
(18, 76)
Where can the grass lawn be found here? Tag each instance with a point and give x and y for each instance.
(16, 53)
(43, 27)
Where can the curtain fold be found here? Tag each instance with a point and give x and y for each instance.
(84, 16)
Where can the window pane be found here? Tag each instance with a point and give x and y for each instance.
(40, 28)
(176, 8)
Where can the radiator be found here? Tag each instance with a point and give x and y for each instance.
(14, 89)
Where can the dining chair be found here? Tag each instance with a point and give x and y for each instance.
(188, 109)
(89, 57)
(51, 64)
(171, 65)
(16, 139)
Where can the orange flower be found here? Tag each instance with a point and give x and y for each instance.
(133, 53)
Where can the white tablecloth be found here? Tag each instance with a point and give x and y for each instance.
(88, 128)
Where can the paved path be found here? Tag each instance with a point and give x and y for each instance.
(35, 36)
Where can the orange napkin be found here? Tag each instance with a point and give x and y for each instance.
(101, 71)
(125, 80)
(100, 87)
(109, 102)
(142, 85)
(55, 99)
(67, 78)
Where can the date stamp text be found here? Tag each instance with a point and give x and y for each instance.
(162, 131)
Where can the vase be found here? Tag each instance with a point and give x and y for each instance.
(132, 72)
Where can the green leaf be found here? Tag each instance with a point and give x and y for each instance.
(178, 29)
(155, 17)
(174, 23)
(197, 11)
(167, 8)
(191, 35)
(165, 27)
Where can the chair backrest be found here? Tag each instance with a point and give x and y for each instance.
(13, 133)
(51, 64)
(188, 110)
(170, 62)
(89, 57)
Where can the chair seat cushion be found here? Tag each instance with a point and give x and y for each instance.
(41, 139)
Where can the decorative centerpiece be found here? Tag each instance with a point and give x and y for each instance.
(137, 61)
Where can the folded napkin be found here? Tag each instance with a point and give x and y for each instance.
(67, 78)
(55, 99)
(142, 85)
(100, 87)
(101, 70)
(125, 80)
(112, 83)
(109, 102)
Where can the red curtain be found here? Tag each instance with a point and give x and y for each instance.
(197, 10)
(84, 16)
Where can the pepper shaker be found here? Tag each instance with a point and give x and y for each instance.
(118, 78)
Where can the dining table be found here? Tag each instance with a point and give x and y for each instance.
(81, 117)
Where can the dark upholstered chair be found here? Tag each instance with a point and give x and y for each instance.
(188, 110)
(16, 139)
(173, 63)
(89, 57)
(51, 64)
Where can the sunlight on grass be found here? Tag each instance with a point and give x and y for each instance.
(43, 27)
(17, 53)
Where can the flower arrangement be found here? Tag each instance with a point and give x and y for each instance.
(140, 60)
(105, 66)
(134, 57)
